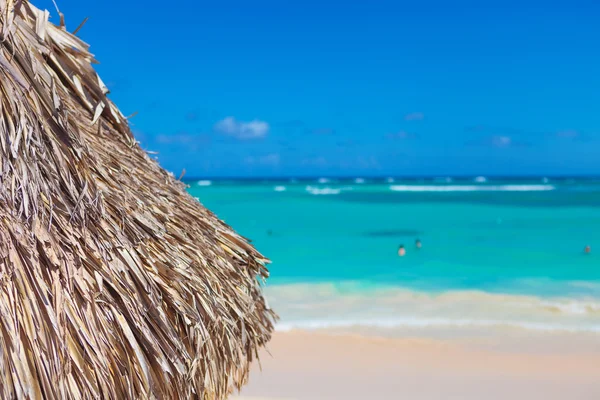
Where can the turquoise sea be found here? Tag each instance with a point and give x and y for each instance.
(495, 251)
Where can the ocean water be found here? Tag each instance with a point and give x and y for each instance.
(495, 251)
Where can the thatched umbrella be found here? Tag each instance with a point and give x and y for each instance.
(114, 282)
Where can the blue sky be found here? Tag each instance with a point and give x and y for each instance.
(314, 88)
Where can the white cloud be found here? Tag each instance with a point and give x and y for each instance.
(255, 129)
(402, 135)
(273, 160)
(415, 116)
(568, 134)
(501, 141)
(315, 162)
(370, 162)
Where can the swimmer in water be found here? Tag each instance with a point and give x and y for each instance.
(401, 251)
(418, 244)
(587, 250)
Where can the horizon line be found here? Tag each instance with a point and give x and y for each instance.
(341, 177)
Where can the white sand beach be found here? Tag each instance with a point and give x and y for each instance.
(505, 365)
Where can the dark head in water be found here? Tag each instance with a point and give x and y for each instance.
(587, 250)
(418, 244)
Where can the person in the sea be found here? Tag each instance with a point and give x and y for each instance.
(401, 251)
(587, 249)
(418, 244)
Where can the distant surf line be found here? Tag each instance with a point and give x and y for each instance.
(322, 324)
(472, 188)
(323, 191)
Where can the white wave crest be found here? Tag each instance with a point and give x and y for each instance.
(280, 188)
(416, 322)
(204, 183)
(471, 188)
(322, 191)
(344, 306)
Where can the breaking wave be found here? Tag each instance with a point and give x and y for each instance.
(344, 306)
(471, 188)
(323, 191)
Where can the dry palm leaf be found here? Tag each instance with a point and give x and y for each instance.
(114, 282)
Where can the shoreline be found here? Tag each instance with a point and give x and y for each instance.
(350, 307)
(301, 365)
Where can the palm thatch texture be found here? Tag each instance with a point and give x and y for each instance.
(114, 282)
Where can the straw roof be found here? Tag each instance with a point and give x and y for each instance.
(114, 282)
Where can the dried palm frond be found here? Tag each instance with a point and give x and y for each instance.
(114, 282)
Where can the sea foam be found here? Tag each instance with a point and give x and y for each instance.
(344, 306)
(471, 188)
(323, 191)
(415, 322)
